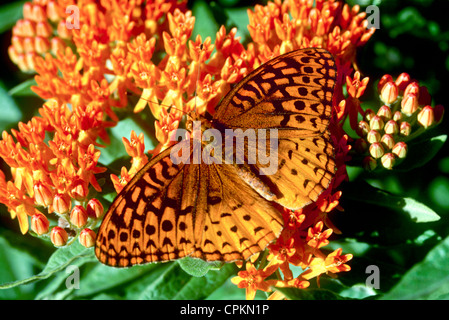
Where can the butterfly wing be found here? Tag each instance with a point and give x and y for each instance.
(293, 94)
(237, 221)
(170, 211)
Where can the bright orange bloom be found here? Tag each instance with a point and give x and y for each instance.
(253, 279)
(333, 263)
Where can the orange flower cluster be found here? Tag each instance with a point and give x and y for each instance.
(144, 48)
(56, 173)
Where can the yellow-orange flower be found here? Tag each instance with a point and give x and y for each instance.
(252, 279)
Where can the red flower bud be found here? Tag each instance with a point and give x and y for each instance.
(388, 161)
(61, 203)
(87, 238)
(426, 117)
(389, 93)
(94, 208)
(58, 236)
(43, 195)
(39, 224)
(78, 216)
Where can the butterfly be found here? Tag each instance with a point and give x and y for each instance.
(230, 211)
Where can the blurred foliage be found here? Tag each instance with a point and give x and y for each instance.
(383, 226)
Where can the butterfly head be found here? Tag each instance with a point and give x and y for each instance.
(193, 117)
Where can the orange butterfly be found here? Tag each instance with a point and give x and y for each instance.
(222, 211)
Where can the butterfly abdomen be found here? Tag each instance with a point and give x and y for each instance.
(255, 182)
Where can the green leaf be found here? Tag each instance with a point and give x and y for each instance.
(10, 111)
(202, 287)
(238, 17)
(103, 279)
(23, 89)
(169, 282)
(14, 263)
(62, 258)
(416, 211)
(197, 267)
(421, 152)
(116, 149)
(428, 279)
(9, 14)
(205, 24)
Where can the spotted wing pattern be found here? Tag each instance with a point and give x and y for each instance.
(170, 211)
(224, 211)
(293, 94)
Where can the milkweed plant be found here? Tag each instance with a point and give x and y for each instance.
(94, 89)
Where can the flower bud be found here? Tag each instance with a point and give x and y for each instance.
(409, 104)
(369, 163)
(373, 136)
(412, 88)
(58, 236)
(43, 195)
(94, 208)
(426, 117)
(400, 149)
(362, 128)
(388, 160)
(369, 114)
(376, 150)
(61, 203)
(385, 113)
(87, 238)
(79, 190)
(397, 116)
(389, 93)
(386, 78)
(424, 96)
(402, 81)
(438, 112)
(78, 216)
(405, 129)
(39, 224)
(391, 127)
(376, 123)
(387, 141)
(41, 44)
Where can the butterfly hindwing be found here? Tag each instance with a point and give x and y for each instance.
(238, 222)
(170, 211)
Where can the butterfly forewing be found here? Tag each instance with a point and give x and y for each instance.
(292, 92)
(224, 211)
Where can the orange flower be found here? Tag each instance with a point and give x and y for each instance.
(332, 264)
(316, 238)
(253, 279)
